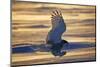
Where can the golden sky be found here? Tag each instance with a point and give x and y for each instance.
(31, 22)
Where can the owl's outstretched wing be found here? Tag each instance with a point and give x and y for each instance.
(58, 27)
